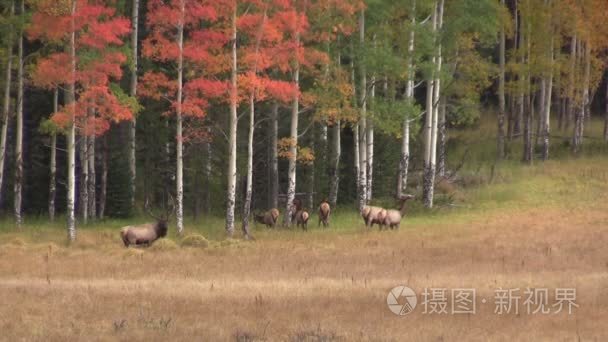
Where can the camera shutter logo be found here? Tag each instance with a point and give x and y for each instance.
(401, 300)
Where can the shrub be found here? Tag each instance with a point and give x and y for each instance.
(163, 245)
(195, 240)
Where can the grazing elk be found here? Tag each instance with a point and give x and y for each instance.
(296, 205)
(146, 234)
(393, 217)
(268, 218)
(324, 212)
(373, 215)
(301, 218)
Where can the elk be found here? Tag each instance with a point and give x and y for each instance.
(296, 205)
(393, 217)
(301, 218)
(268, 218)
(146, 234)
(324, 212)
(373, 215)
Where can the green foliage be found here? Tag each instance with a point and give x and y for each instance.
(388, 115)
(125, 99)
(47, 126)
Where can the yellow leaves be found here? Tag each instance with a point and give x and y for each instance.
(286, 147)
(306, 155)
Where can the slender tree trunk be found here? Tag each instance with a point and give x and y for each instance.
(409, 94)
(428, 124)
(606, 115)
(231, 191)
(71, 133)
(528, 147)
(53, 162)
(356, 148)
(249, 187)
(547, 114)
(84, 177)
(542, 99)
(335, 168)
(571, 83)
(363, 123)
(208, 160)
(133, 93)
(433, 94)
(442, 137)
(7, 101)
(584, 107)
(92, 176)
(179, 215)
(19, 134)
(311, 166)
(518, 121)
(500, 136)
(293, 152)
(370, 148)
(104, 178)
(274, 162)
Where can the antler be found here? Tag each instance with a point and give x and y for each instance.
(149, 212)
(170, 211)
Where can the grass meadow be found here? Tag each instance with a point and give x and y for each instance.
(496, 226)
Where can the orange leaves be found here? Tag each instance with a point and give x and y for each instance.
(304, 155)
(52, 71)
(282, 91)
(96, 29)
(155, 85)
(99, 34)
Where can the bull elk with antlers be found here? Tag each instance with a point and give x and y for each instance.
(393, 217)
(146, 234)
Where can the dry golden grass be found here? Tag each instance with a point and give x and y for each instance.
(320, 285)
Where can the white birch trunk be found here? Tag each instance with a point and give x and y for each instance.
(133, 93)
(18, 186)
(293, 151)
(92, 176)
(84, 177)
(7, 102)
(71, 135)
(546, 130)
(179, 213)
(335, 167)
(208, 160)
(430, 128)
(409, 95)
(103, 187)
(363, 123)
(53, 162)
(370, 148)
(249, 187)
(231, 191)
(274, 162)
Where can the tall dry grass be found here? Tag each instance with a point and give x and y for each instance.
(544, 226)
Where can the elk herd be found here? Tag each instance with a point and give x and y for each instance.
(146, 234)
